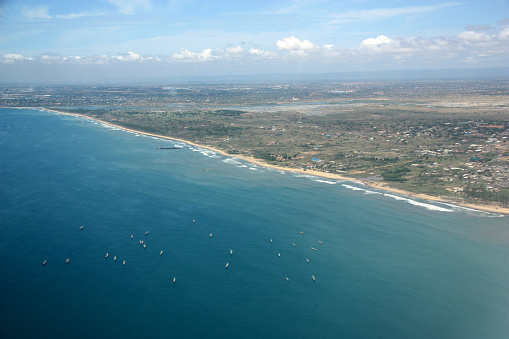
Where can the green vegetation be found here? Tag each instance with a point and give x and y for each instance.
(396, 173)
(442, 138)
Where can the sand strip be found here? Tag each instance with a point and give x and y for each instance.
(373, 184)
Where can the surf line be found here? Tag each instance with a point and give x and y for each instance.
(490, 209)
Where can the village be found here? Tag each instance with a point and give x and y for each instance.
(440, 138)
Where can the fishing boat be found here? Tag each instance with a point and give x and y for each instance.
(231, 252)
(132, 236)
(44, 263)
(307, 260)
(227, 264)
(123, 263)
(320, 242)
(314, 249)
(146, 233)
(301, 232)
(313, 277)
(161, 253)
(106, 255)
(81, 227)
(174, 279)
(114, 258)
(293, 244)
(67, 260)
(211, 235)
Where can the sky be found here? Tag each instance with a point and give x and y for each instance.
(73, 41)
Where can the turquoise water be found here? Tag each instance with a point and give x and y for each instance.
(388, 266)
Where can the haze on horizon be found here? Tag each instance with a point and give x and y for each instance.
(132, 40)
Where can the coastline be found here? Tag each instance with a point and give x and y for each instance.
(373, 184)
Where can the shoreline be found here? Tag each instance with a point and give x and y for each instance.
(373, 184)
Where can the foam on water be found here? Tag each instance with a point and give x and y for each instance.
(385, 270)
(417, 203)
(326, 181)
(232, 161)
(428, 206)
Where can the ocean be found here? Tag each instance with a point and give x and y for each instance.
(384, 265)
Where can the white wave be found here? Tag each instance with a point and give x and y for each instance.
(417, 203)
(110, 127)
(232, 161)
(209, 153)
(253, 168)
(353, 187)
(326, 181)
(241, 166)
(476, 212)
(298, 175)
(178, 146)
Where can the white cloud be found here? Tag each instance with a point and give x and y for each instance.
(294, 44)
(379, 40)
(382, 13)
(380, 50)
(474, 37)
(32, 13)
(10, 58)
(80, 15)
(186, 55)
(130, 7)
(262, 53)
(234, 51)
(129, 56)
(503, 35)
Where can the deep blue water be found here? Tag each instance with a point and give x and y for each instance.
(388, 266)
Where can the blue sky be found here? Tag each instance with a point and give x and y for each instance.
(136, 38)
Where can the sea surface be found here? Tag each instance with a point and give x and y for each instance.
(385, 265)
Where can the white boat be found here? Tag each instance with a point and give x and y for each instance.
(307, 260)
(227, 264)
(161, 253)
(231, 252)
(211, 235)
(114, 258)
(67, 260)
(123, 263)
(320, 242)
(287, 279)
(144, 246)
(132, 236)
(106, 255)
(293, 244)
(314, 249)
(194, 221)
(270, 240)
(81, 227)
(279, 254)
(146, 233)
(44, 263)
(174, 279)
(313, 277)
(301, 232)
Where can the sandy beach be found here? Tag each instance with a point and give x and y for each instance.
(374, 184)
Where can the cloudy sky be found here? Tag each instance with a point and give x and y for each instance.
(68, 40)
